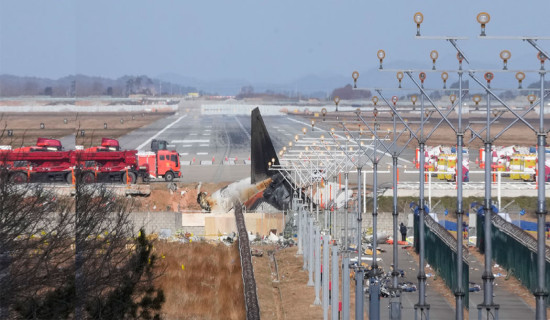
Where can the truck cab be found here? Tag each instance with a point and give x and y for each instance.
(168, 164)
(162, 163)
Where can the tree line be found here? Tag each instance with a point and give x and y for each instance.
(85, 86)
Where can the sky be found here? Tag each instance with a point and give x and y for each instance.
(258, 40)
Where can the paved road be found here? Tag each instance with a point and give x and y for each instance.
(439, 306)
(511, 306)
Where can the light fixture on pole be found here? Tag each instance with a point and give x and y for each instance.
(355, 76)
(414, 98)
(434, 55)
(336, 101)
(483, 18)
(444, 77)
(399, 76)
(477, 99)
(541, 58)
(324, 113)
(452, 97)
(418, 18)
(422, 77)
(312, 125)
(381, 54)
(394, 99)
(488, 77)
(374, 100)
(460, 58)
(505, 55)
(520, 76)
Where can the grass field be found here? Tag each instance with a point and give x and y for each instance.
(201, 280)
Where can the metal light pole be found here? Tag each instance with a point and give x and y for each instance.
(326, 274)
(488, 277)
(459, 293)
(421, 305)
(346, 209)
(374, 287)
(359, 277)
(334, 304)
(311, 252)
(541, 293)
(345, 288)
(395, 299)
(317, 265)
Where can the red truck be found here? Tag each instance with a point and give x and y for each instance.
(48, 162)
(161, 161)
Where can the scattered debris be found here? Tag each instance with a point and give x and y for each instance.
(203, 202)
(474, 287)
(273, 238)
(257, 253)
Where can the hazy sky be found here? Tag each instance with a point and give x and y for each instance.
(257, 40)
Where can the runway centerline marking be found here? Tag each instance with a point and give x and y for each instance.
(160, 132)
(202, 153)
(242, 127)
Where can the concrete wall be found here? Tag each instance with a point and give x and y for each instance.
(205, 224)
(157, 222)
(260, 223)
(385, 221)
(210, 225)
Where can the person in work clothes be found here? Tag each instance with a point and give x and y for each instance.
(403, 230)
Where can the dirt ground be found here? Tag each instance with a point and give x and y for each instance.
(201, 281)
(291, 298)
(26, 126)
(184, 199)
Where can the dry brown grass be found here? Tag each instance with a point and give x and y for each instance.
(208, 287)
